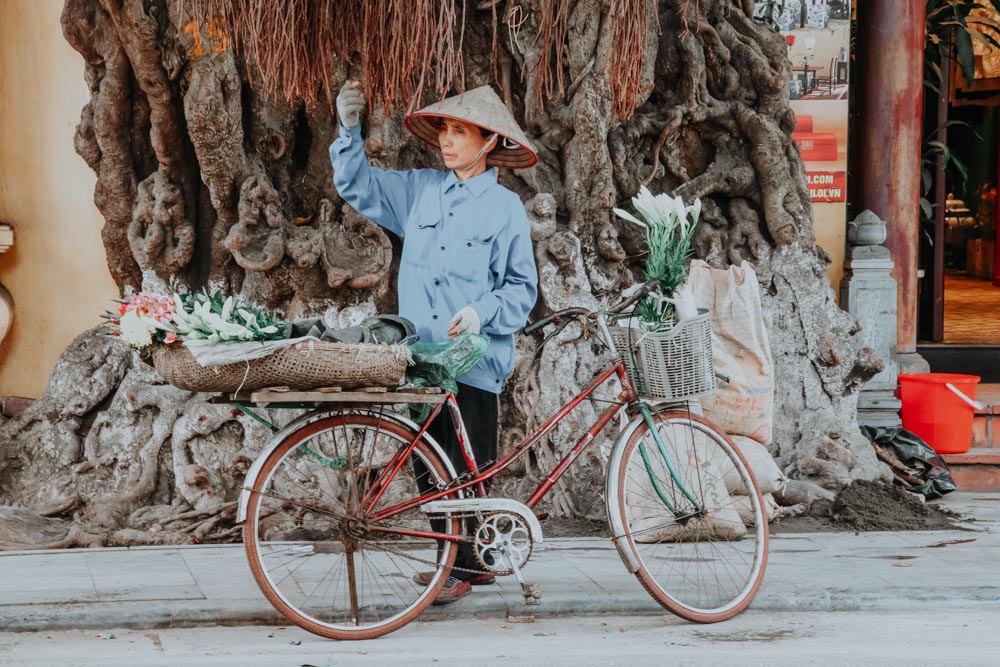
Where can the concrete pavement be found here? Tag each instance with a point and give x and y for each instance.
(752, 639)
(211, 585)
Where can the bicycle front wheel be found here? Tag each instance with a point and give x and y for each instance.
(314, 550)
(698, 550)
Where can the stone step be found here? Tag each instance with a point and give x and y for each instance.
(986, 423)
(976, 470)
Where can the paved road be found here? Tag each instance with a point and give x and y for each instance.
(830, 639)
(211, 585)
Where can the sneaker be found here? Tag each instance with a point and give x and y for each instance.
(481, 579)
(453, 591)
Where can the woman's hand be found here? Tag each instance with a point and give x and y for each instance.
(466, 321)
(350, 104)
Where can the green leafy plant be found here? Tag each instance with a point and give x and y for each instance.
(952, 28)
(668, 238)
(958, 21)
(934, 150)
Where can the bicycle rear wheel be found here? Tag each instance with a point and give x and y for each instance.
(695, 553)
(318, 556)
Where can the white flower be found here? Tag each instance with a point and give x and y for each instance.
(666, 206)
(695, 211)
(626, 215)
(679, 209)
(134, 331)
(645, 203)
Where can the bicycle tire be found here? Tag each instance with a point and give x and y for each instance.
(316, 535)
(703, 549)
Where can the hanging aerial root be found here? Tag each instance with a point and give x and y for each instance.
(404, 47)
(628, 24)
(295, 45)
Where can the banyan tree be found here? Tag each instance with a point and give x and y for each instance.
(208, 128)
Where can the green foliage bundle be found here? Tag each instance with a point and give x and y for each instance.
(669, 226)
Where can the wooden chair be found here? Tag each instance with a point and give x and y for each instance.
(827, 80)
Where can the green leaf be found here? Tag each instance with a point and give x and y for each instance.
(926, 208)
(965, 54)
(963, 170)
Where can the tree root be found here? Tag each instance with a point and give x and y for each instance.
(204, 181)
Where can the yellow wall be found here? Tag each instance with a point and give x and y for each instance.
(56, 271)
(830, 226)
(829, 218)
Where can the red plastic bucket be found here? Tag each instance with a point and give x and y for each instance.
(939, 407)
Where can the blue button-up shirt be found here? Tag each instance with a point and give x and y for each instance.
(467, 243)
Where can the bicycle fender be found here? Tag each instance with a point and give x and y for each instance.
(309, 418)
(629, 558)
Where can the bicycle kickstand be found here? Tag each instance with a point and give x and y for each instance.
(532, 592)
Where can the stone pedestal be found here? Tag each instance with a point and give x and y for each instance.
(868, 292)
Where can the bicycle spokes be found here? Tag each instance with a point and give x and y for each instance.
(678, 486)
(320, 559)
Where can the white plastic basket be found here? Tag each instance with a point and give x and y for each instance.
(672, 365)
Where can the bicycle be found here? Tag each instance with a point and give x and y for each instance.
(335, 527)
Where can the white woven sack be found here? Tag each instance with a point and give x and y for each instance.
(743, 405)
(765, 471)
(743, 507)
(650, 519)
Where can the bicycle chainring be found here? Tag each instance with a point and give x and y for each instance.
(502, 534)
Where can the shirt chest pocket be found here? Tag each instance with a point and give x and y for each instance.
(471, 259)
(421, 246)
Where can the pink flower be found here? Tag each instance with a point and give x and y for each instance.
(170, 337)
(146, 304)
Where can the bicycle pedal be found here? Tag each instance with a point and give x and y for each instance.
(532, 593)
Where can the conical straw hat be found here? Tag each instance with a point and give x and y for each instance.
(480, 106)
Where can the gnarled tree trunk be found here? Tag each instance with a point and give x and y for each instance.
(206, 180)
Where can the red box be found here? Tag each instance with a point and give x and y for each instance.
(821, 146)
(803, 124)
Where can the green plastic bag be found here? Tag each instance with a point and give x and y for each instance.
(441, 364)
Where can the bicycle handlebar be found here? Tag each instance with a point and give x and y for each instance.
(583, 312)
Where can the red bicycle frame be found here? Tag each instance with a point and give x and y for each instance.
(478, 478)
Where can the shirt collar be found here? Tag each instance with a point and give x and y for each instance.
(477, 185)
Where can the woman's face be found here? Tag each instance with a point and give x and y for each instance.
(460, 143)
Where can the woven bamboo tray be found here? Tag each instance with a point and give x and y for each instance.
(303, 366)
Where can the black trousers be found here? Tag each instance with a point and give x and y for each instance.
(480, 409)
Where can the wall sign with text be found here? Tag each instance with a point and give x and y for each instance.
(818, 36)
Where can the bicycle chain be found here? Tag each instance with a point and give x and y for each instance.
(434, 564)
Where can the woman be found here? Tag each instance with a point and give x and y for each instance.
(467, 264)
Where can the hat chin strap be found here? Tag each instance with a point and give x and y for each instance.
(488, 146)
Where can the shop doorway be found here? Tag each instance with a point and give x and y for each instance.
(960, 288)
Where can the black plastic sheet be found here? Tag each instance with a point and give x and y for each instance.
(917, 455)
